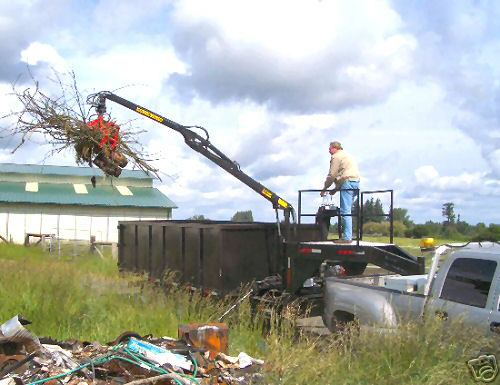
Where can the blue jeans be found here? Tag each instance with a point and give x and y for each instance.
(346, 198)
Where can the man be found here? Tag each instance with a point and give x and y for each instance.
(345, 175)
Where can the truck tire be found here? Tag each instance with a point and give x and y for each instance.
(354, 268)
(342, 322)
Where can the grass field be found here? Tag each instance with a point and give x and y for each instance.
(86, 298)
(412, 245)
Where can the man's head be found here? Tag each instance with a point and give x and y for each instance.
(334, 147)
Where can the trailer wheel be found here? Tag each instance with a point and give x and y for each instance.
(354, 268)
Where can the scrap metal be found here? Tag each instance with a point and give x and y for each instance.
(197, 357)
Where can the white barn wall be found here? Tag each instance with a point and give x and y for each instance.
(49, 223)
(100, 228)
(4, 218)
(71, 222)
(16, 230)
(33, 223)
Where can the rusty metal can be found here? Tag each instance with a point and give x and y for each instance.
(212, 336)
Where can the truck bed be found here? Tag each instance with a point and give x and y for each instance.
(373, 299)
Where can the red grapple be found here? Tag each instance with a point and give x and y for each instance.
(109, 131)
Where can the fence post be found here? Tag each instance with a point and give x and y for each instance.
(92, 244)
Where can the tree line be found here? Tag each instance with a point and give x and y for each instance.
(376, 221)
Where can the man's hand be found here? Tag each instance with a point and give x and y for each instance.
(322, 193)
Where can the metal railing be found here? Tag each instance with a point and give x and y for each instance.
(388, 215)
(359, 212)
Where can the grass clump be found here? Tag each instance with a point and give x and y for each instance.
(419, 352)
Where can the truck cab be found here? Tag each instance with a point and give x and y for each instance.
(466, 287)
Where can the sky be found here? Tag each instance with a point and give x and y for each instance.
(410, 88)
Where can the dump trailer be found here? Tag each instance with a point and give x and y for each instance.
(287, 255)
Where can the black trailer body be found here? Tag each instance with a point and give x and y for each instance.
(219, 255)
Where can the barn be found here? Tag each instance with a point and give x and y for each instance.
(62, 202)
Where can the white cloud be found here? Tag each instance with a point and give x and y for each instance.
(429, 176)
(426, 175)
(494, 158)
(138, 67)
(317, 58)
(38, 52)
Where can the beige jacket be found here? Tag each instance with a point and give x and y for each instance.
(342, 167)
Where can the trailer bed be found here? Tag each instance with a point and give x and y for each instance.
(305, 259)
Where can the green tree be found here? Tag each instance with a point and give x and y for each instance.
(490, 233)
(428, 229)
(448, 211)
(243, 216)
(198, 217)
(384, 228)
(373, 210)
(464, 228)
(401, 215)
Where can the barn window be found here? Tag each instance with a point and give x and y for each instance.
(80, 188)
(31, 187)
(124, 190)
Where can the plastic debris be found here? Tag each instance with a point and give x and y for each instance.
(158, 354)
(243, 360)
(14, 332)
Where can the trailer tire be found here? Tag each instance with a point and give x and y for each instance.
(354, 268)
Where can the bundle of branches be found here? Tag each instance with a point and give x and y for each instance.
(64, 122)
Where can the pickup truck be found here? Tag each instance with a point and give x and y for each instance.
(467, 285)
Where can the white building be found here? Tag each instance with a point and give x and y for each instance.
(61, 201)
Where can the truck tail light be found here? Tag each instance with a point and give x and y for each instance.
(345, 252)
(308, 250)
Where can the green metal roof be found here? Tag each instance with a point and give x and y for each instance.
(64, 194)
(13, 168)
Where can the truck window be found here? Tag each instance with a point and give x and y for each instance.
(468, 281)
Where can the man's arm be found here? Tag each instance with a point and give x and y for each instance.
(332, 174)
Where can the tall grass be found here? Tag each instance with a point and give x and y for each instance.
(83, 298)
(430, 352)
(86, 298)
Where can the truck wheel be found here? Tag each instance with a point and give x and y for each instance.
(354, 268)
(342, 322)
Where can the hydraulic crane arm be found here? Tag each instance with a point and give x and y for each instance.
(199, 144)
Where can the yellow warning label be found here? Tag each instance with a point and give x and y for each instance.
(282, 203)
(267, 193)
(149, 114)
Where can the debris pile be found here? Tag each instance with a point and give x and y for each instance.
(197, 357)
(66, 122)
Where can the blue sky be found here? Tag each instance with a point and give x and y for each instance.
(410, 88)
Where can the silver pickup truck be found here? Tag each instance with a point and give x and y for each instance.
(467, 285)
